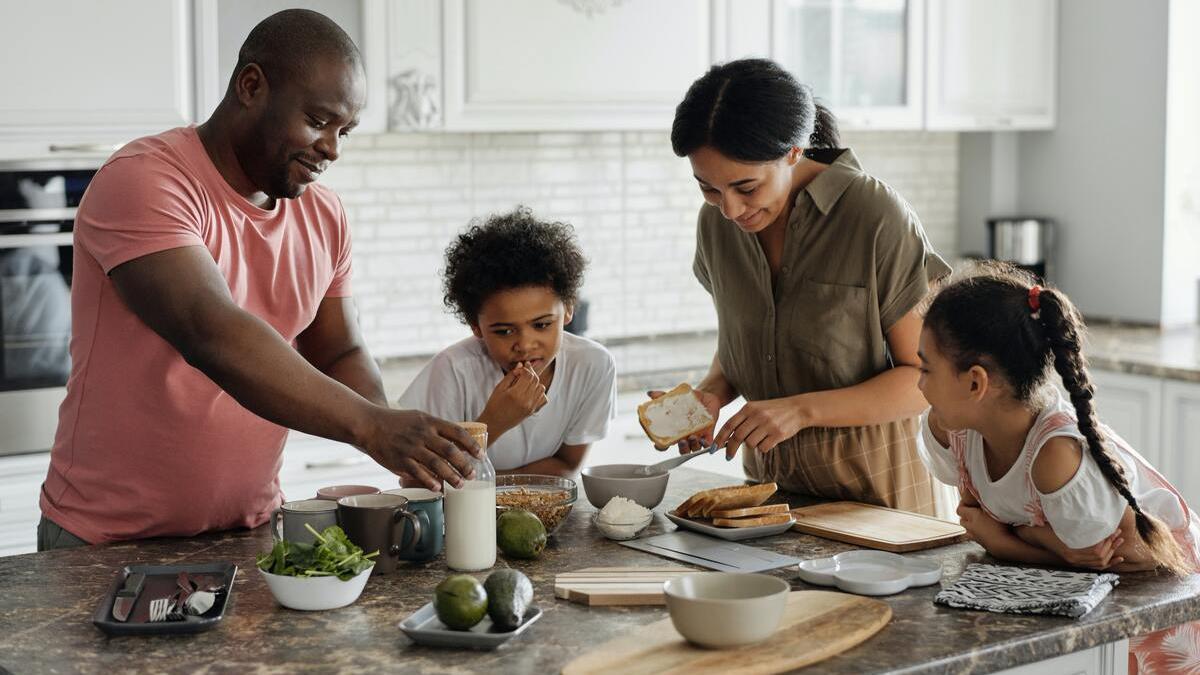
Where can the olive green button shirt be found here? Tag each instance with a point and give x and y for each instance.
(855, 261)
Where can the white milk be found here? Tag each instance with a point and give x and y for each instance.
(471, 526)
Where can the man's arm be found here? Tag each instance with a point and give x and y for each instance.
(181, 295)
(333, 344)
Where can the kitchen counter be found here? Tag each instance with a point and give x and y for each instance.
(47, 599)
(1171, 353)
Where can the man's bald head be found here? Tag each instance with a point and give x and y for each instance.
(286, 43)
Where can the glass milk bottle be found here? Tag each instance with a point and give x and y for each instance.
(471, 512)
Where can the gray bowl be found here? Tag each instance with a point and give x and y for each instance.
(602, 483)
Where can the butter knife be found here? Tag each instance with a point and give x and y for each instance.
(128, 595)
(668, 464)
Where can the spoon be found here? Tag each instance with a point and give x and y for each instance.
(666, 465)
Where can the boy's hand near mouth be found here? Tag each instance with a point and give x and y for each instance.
(517, 396)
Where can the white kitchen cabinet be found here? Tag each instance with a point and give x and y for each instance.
(863, 58)
(222, 27)
(1181, 438)
(1132, 406)
(992, 65)
(310, 462)
(21, 479)
(81, 76)
(1106, 659)
(537, 65)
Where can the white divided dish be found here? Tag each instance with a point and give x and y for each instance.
(870, 572)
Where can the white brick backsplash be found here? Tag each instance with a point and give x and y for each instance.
(632, 202)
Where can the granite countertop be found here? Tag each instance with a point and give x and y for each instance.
(48, 599)
(1172, 353)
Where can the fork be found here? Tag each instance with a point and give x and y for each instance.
(161, 608)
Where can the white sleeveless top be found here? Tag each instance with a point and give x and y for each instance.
(1083, 511)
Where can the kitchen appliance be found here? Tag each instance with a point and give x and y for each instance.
(1025, 242)
(38, 200)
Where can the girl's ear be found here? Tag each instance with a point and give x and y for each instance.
(979, 382)
(475, 329)
(794, 155)
(568, 313)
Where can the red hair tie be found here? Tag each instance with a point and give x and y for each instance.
(1035, 300)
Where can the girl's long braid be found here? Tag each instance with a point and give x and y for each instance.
(1062, 329)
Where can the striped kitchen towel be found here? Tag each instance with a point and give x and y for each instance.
(1021, 590)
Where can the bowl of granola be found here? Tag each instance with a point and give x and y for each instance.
(550, 498)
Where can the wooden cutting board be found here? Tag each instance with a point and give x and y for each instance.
(613, 586)
(876, 526)
(815, 626)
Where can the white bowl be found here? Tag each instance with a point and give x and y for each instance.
(723, 609)
(621, 531)
(316, 593)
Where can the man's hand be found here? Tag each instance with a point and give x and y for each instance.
(427, 449)
(517, 396)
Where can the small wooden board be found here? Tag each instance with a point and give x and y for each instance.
(816, 625)
(617, 586)
(876, 527)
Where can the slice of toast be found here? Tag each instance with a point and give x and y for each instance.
(763, 510)
(674, 416)
(703, 503)
(755, 521)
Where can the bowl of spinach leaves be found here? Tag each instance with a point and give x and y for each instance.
(327, 574)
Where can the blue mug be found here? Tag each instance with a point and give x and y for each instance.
(426, 505)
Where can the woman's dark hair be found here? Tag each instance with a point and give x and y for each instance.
(510, 250)
(987, 319)
(751, 110)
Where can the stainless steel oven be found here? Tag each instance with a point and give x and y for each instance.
(37, 214)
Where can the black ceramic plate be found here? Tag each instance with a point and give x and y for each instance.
(160, 583)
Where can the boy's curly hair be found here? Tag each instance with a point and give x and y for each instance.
(510, 250)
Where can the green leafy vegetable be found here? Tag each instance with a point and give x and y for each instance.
(332, 554)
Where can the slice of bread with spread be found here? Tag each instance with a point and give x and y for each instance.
(674, 416)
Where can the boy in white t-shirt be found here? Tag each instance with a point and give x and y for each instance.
(546, 395)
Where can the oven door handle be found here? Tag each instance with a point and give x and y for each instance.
(85, 147)
(40, 239)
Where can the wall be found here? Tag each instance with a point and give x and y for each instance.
(1181, 227)
(632, 202)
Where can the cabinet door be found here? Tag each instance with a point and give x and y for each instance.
(310, 463)
(222, 27)
(21, 479)
(1181, 438)
(992, 65)
(863, 58)
(571, 64)
(1132, 406)
(79, 70)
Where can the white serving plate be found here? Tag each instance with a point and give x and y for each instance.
(731, 533)
(870, 572)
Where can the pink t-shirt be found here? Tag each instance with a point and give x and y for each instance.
(146, 444)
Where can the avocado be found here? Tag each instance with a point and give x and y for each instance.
(460, 601)
(520, 534)
(509, 594)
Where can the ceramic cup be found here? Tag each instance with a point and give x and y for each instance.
(287, 522)
(336, 492)
(378, 523)
(427, 505)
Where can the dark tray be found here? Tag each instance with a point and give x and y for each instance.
(160, 582)
(423, 628)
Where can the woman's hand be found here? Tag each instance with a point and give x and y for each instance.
(712, 402)
(762, 425)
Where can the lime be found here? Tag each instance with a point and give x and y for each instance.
(460, 601)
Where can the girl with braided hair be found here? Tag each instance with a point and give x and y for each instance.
(1042, 480)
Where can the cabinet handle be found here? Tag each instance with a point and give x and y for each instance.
(344, 461)
(85, 147)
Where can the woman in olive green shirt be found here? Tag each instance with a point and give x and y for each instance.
(816, 269)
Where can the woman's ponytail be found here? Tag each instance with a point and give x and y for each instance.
(1062, 328)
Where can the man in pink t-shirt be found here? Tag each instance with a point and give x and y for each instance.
(211, 311)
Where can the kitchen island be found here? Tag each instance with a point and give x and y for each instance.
(47, 601)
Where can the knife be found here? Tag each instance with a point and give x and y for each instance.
(128, 595)
(668, 464)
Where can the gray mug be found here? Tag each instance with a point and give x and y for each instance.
(319, 513)
(377, 523)
(427, 506)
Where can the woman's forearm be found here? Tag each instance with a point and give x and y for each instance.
(715, 383)
(889, 396)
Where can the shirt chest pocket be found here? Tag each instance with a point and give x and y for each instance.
(829, 321)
